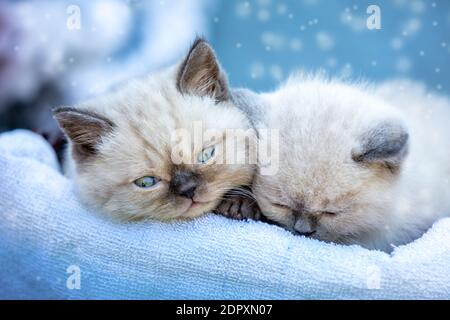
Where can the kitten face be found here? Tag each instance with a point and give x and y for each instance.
(122, 144)
(341, 152)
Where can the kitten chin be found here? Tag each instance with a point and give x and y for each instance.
(155, 148)
(358, 165)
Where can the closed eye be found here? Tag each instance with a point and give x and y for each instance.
(281, 206)
(328, 213)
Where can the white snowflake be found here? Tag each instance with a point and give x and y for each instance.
(403, 64)
(282, 9)
(331, 62)
(264, 15)
(418, 6)
(296, 44)
(276, 72)
(243, 9)
(346, 71)
(412, 26)
(257, 70)
(273, 40)
(356, 22)
(397, 43)
(264, 2)
(324, 41)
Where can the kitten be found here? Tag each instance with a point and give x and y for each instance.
(358, 164)
(121, 146)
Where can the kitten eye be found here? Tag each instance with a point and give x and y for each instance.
(146, 182)
(328, 213)
(206, 154)
(281, 206)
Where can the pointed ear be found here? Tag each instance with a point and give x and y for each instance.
(201, 74)
(84, 129)
(386, 143)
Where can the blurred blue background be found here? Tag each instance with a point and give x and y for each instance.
(61, 52)
(261, 41)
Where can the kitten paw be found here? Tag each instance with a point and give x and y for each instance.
(239, 208)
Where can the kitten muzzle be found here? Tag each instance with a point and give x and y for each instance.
(184, 184)
(304, 226)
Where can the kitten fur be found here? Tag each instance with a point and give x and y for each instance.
(125, 135)
(359, 164)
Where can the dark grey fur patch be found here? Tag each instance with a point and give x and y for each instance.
(387, 143)
(201, 74)
(84, 128)
(250, 104)
(184, 183)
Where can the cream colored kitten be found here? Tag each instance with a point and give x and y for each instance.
(121, 145)
(358, 164)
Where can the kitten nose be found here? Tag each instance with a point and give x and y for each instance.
(188, 193)
(304, 226)
(184, 184)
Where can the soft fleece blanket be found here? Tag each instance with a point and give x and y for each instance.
(53, 247)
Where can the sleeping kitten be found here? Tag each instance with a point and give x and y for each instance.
(121, 146)
(358, 165)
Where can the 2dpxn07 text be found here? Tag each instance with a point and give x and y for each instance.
(225, 309)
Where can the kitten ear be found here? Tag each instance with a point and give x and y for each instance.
(201, 74)
(387, 143)
(84, 129)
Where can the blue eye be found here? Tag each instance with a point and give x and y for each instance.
(146, 182)
(206, 155)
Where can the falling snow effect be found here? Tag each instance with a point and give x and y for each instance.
(259, 42)
(46, 59)
(333, 35)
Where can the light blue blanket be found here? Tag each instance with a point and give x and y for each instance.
(52, 247)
